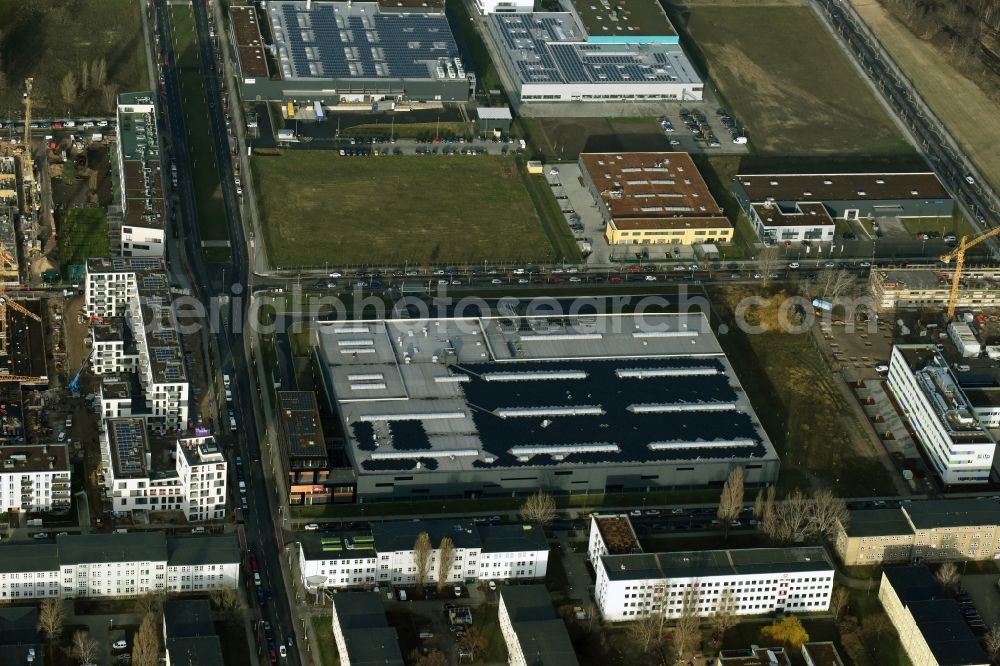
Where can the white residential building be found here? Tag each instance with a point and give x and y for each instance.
(145, 341)
(959, 448)
(385, 554)
(140, 178)
(361, 631)
(142, 477)
(758, 580)
(35, 478)
(117, 565)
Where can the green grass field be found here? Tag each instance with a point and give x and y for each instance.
(785, 78)
(204, 168)
(83, 233)
(48, 39)
(323, 640)
(320, 209)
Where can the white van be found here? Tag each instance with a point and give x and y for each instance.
(232, 424)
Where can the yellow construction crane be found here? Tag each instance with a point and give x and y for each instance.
(958, 254)
(28, 170)
(5, 302)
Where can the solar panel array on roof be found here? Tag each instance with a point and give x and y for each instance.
(130, 444)
(336, 40)
(155, 281)
(548, 49)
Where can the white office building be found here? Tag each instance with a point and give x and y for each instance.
(631, 584)
(117, 565)
(131, 300)
(140, 178)
(384, 554)
(35, 478)
(140, 474)
(959, 448)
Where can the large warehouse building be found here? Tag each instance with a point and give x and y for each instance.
(653, 199)
(795, 207)
(557, 57)
(467, 407)
(350, 53)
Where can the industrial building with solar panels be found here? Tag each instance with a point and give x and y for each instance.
(467, 407)
(343, 53)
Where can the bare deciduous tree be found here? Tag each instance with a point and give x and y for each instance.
(947, 574)
(724, 616)
(647, 632)
(51, 616)
(788, 521)
(84, 647)
(475, 641)
(687, 630)
(84, 76)
(110, 92)
(758, 505)
(828, 511)
(68, 89)
(99, 72)
(731, 500)
(767, 259)
(422, 551)
(839, 600)
(539, 508)
(446, 559)
(992, 643)
(146, 644)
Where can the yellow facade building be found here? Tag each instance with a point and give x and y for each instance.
(653, 199)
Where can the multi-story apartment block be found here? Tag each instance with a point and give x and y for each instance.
(385, 554)
(958, 447)
(117, 565)
(140, 177)
(362, 633)
(303, 452)
(931, 627)
(132, 298)
(140, 475)
(189, 637)
(534, 634)
(35, 478)
(756, 581)
(922, 531)
(611, 535)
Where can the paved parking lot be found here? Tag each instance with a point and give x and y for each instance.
(564, 179)
(983, 590)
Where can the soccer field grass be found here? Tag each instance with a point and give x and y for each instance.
(787, 80)
(322, 209)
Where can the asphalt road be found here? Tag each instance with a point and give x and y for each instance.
(212, 280)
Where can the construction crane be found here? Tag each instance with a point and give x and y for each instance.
(5, 302)
(958, 254)
(74, 384)
(28, 171)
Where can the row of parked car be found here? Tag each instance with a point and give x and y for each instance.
(971, 615)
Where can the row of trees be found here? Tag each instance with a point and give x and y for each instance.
(423, 550)
(93, 77)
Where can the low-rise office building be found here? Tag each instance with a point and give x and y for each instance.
(137, 290)
(188, 474)
(796, 207)
(362, 633)
(611, 535)
(959, 448)
(653, 199)
(303, 453)
(921, 531)
(385, 553)
(189, 637)
(753, 656)
(140, 177)
(931, 628)
(117, 565)
(758, 581)
(534, 634)
(490, 406)
(35, 478)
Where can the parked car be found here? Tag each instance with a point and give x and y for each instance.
(119, 645)
(311, 527)
(40, 535)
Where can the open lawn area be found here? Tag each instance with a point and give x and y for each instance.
(322, 209)
(323, 640)
(50, 40)
(83, 233)
(792, 390)
(786, 79)
(970, 116)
